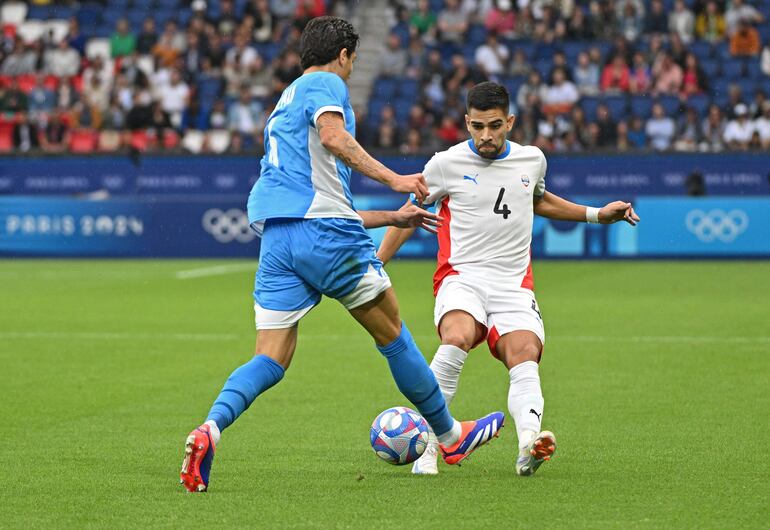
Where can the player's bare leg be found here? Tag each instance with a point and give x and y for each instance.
(520, 352)
(459, 332)
(380, 317)
(274, 351)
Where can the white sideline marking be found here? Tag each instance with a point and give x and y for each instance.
(87, 335)
(216, 270)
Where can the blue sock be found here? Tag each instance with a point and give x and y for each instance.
(242, 388)
(416, 381)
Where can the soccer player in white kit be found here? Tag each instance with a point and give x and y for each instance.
(489, 189)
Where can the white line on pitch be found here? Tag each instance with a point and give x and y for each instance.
(598, 338)
(216, 270)
(86, 335)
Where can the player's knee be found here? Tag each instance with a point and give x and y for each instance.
(529, 351)
(457, 339)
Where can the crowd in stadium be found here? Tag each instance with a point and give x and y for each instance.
(614, 75)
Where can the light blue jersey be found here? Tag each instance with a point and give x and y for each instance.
(299, 178)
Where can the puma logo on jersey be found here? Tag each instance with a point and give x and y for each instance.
(473, 178)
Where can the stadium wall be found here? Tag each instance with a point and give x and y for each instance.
(182, 206)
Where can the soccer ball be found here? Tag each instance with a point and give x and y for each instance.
(399, 435)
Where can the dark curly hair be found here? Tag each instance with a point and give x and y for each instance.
(324, 38)
(487, 96)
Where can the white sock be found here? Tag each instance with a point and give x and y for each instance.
(214, 430)
(525, 401)
(450, 438)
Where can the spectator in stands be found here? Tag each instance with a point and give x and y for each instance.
(148, 37)
(25, 134)
(393, 58)
(578, 27)
(492, 56)
(449, 131)
(174, 98)
(738, 11)
(283, 9)
(159, 123)
(713, 130)
(226, 21)
(75, 38)
(533, 86)
(416, 57)
(762, 126)
(520, 66)
(413, 143)
(242, 54)
(307, 9)
(42, 100)
(114, 116)
(740, 130)
(710, 25)
(501, 19)
(525, 23)
(640, 77)
(745, 41)
(755, 107)
(694, 80)
(244, 115)
(263, 20)
(765, 59)
(586, 75)
(286, 71)
(96, 99)
(423, 21)
(122, 42)
(622, 144)
(630, 15)
(677, 49)
(62, 61)
(387, 136)
(20, 61)
(637, 137)
(660, 129)
(616, 76)
(667, 76)
(577, 120)
(97, 68)
(418, 118)
(54, 137)
(218, 118)
(170, 44)
(65, 96)
(682, 22)
(14, 100)
(606, 127)
(561, 95)
(689, 134)
(657, 19)
(452, 24)
(215, 53)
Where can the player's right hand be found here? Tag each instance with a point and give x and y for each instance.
(414, 183)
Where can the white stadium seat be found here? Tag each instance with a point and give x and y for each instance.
(31, 30)
(13, 13)
(96, 47)
(218, 141)
(193, 141)
(59, 27)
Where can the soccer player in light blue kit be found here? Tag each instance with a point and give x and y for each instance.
(314, 243)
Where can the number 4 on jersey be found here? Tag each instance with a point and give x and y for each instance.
(505, 212)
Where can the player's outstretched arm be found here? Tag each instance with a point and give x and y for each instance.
(394, 238)
(554, 207)
(340, 143)
(408, 216)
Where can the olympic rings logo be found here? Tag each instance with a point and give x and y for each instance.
(232, 225)
(717, 224)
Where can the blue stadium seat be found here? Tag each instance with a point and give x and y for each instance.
(700, 102)
(589, 105)
(732, 69)
(375, 108)
(146, 5)
(748, 88)
(764, 29)
(268, 51)
(477, 35)
(436, 5)
(722, 51)
(641, 106)
(527, 47)
(543, 66)
(123, 4)
(164, 15)
(384, 88)
(671, 105)
(710, 67)
(111, 15)
(169, 4)
(545, 52)
(618, 106)
(753, 69)
(719, 89)
(402, 108)
(408, 88)
(572, 49)
(702, 49)
(209, 87)
(512, 84)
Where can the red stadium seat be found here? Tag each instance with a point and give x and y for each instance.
(141, 141)
(51, 82)
(83, 141)
(6, 137)
(170, 139)
(5, 81)
(26, 83)
(77, 83)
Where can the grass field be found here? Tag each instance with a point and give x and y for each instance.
(656, 378)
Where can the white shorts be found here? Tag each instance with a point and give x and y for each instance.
(500, 311)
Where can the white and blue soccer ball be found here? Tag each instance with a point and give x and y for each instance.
(399, 435)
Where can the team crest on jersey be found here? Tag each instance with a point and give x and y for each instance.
(525, 180)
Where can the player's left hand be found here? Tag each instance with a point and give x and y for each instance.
(412, 216)
(618, 211)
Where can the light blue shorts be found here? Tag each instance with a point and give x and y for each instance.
(302, 259)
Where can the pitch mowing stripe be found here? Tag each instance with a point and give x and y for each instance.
(45, 335)
(217, 270)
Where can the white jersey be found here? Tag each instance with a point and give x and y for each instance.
(488, 212)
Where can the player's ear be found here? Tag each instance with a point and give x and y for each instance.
(468, 122)
(511, 121)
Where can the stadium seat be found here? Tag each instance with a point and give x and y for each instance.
(384, 88)
(702, 49)
(109, 141)
(700, 102)
(58, 27)
(753, 69)
(60, 11)
(589, 105)
(98, 47)
(193, 141)
(710, 67)
(111, 15)
(170, 139)
(408, 88)
(36, 12)
(169, 4)
(748, 88)
(512, 84)
(89, 16)
(641, 106)
(13, 13)
(617, 106)
(722, 51)
(670, 104)
(26, 82)
(732, 69)
(5, 81)
(476, 35)
(527, 47)
(140, 140)
(30, 30)
(83, 141)
(6, 137)
(218, 141)
(543, 67)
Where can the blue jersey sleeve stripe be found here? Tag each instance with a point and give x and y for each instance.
(328, 108)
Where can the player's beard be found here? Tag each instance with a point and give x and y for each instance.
(485, 152)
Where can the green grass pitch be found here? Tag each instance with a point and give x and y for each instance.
(656, 377)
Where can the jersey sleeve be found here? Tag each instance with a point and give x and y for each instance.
(434, 177)
(328, 94)
(540, 185)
